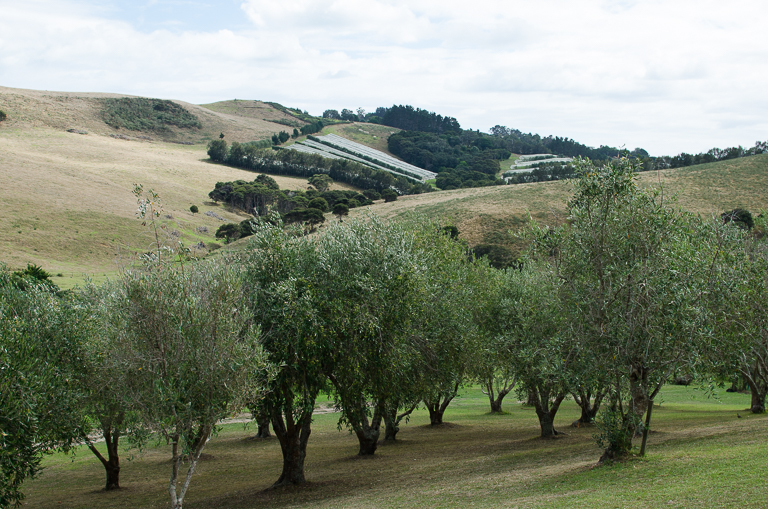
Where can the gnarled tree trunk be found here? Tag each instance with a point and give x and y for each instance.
(392, 422)
(496, 395)
(262, 421)
(438, 404)
(583, 397)
(293, 434)
(546, 409)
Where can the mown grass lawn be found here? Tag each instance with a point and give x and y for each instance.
(700, 455)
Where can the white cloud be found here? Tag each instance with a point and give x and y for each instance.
(668, 76)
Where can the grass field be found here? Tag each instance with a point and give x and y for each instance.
(700, 455)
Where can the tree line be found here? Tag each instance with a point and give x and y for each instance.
(629, 294)
(251, 156)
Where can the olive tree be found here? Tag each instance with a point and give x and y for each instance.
(633, 273)
(279, 269)
(369, 273)
(538, 352)
(41, 336)
(738, 302)
(191, 351)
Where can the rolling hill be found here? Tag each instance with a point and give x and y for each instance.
(68, 206)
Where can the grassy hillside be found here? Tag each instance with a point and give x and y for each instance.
(67, 201)
(84, 111)
(68, 204)
(700, 455)
(491, 215)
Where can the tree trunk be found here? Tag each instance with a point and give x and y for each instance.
(437, 409)
(639, 399)
(392, 422)
(293, 437)
(112, 462)
(368, 438)
(583, 398)
(495, 398)
(545, 411)
(262, 421)
(758, 399)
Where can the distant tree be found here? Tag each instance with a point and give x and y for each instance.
(340, 210)
(283, 136)
(275, 140)
(389, 195)
(319, 204)
(347, 114)
(295, 133)
(331, 114)
(320, 181)
(194, 209)
(221, 136)
(217, 150)
(2, 115)
(372, 194)
(361, 114)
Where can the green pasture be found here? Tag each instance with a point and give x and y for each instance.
(701, 454)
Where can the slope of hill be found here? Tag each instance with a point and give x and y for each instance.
(67, 201)
(492, 215)
(82, 111)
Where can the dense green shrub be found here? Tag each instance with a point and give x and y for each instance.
(389, 195)
(2, 115)
(142, 114)
(740, 217)
(217, 150)
(319, 204)
(194, 209)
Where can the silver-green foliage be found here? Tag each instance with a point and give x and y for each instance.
(185, 339)
(40, 363)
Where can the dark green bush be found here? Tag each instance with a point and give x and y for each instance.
(319, 204)
(194, 209)
(217, 150)
(389, 195)
(3, 116)
(142, 114)
(740, 217)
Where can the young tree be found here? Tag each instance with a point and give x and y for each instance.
(738, 302)
(192, 352)
(340, 209)
(540, 354)
(369, 273)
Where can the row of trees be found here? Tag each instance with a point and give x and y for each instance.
(300, 164)
(387, 317)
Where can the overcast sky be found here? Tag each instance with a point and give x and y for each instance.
(666, 75)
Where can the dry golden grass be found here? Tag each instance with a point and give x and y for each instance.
(67, 201)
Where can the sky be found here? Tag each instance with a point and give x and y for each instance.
(669, 76)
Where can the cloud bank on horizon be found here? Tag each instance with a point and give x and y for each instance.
(666, 76)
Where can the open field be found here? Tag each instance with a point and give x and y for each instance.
(700, 455)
